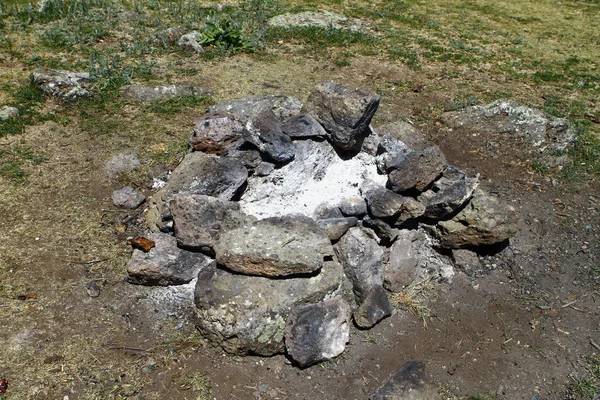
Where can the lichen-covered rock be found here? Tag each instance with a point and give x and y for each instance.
(164, 264)
(213, 133)
(127, 197)
(360, 255)
(247, 314)
(274, 247)
(448, 193)
(485, 220)
(263, 130)
(242, 109)
(197, 220)
(66, 85)
(149, 94)
(375, 307)
(345, 112)
(317, 332)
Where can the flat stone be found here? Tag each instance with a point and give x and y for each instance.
(322, 19)
(360, 255)
(8, 112)
(213, 133)
(263, 130)
(247, 314)
(448, 193)
(375, 307)
(486, 220)
(164, 264)
(66, 85)
(335, 228)
(303, 126)
(408, 383)
(127, 197)
(418, 170)
(345, 112)
(317, 332)
(273, 247)
(197, 220)
(242, 109)
(149, 94)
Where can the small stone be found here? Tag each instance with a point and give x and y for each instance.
(382, 229)
(63, 84)
(92, 289)
(405, 133)
(466, 260)
(264, 169)
(8, 112)
(375, 307)
(448, 193)
(317, 332)
(353, 207)
(189, 42)
(142, 243)
(128, 197)
(335, 228)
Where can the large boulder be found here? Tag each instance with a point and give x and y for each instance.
(213, 133)
(164, 264)
(317, 332)
(361, 256)
(263, 130)
(283, 107)
(345, 112)
(247, 314)
(486, 220)
(448, 193)
(275, 247)
(198, 173)
(66, 85)
(197, 220)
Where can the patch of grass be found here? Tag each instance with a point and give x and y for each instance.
(320, 38)
(586, 388)
(13, 160)
(201, 385)
(585, 155)
(109, 72)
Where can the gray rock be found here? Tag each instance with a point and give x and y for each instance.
(466, 260)
(122, 162)
(274, 247)
(189, 42)
(8, 112)
(408, 383)
(412, 258)
(360, 255)
(485, 220)
(370, 145)
(418, 170)
(168, 37)
(283, 107)
(384, 203)
(241, 151)
(405, 133)
(353, 207)
(165, 264)
(375, 307)
(392, 154)
(149, 94)
(335, 228)
(213, 133)
(382, 229)
(327, 211)
(302, 126)
(127, 197)
(263, 130)
(197, 220)
(264, 169)
(247, 314)
(345, 112)
(66, 85)
(504, 116)
(317, 332)
(448, 193)
(198, 173)
(322, 19)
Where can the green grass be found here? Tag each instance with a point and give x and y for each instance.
(586, 388)
(13, 161)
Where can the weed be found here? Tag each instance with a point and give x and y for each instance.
(200, 384)
(413, 296)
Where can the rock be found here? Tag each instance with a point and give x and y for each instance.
(466, 260)
(448, 193)
(245, 153)
(317, 176)
(335, 228)
(66, 85)
(504, 116)
(345, 112)
(353, 207)
(485, 220)
(302, 126)
(384, 203)
(248, 314)
(405, 133)
(242, 109)
(92, 289)
(8, 112)
(165, 264)
(412, 258)
(327, 211)
(198, 173)
(168, 37)
(382, 229)
(197, 220)
(322, 19)
(264, 169)
(278, 246)
(213, 133)
(263, 130)
(418, 170)
(375, 307)
(189, 42)
(392, 154)
(122, 162)
(149, 94)
(360, 255)
(142, 243)
(371, 143)
(408, 383)
(317, 332)
(127, 197)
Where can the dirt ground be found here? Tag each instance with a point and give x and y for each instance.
(521, 327)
